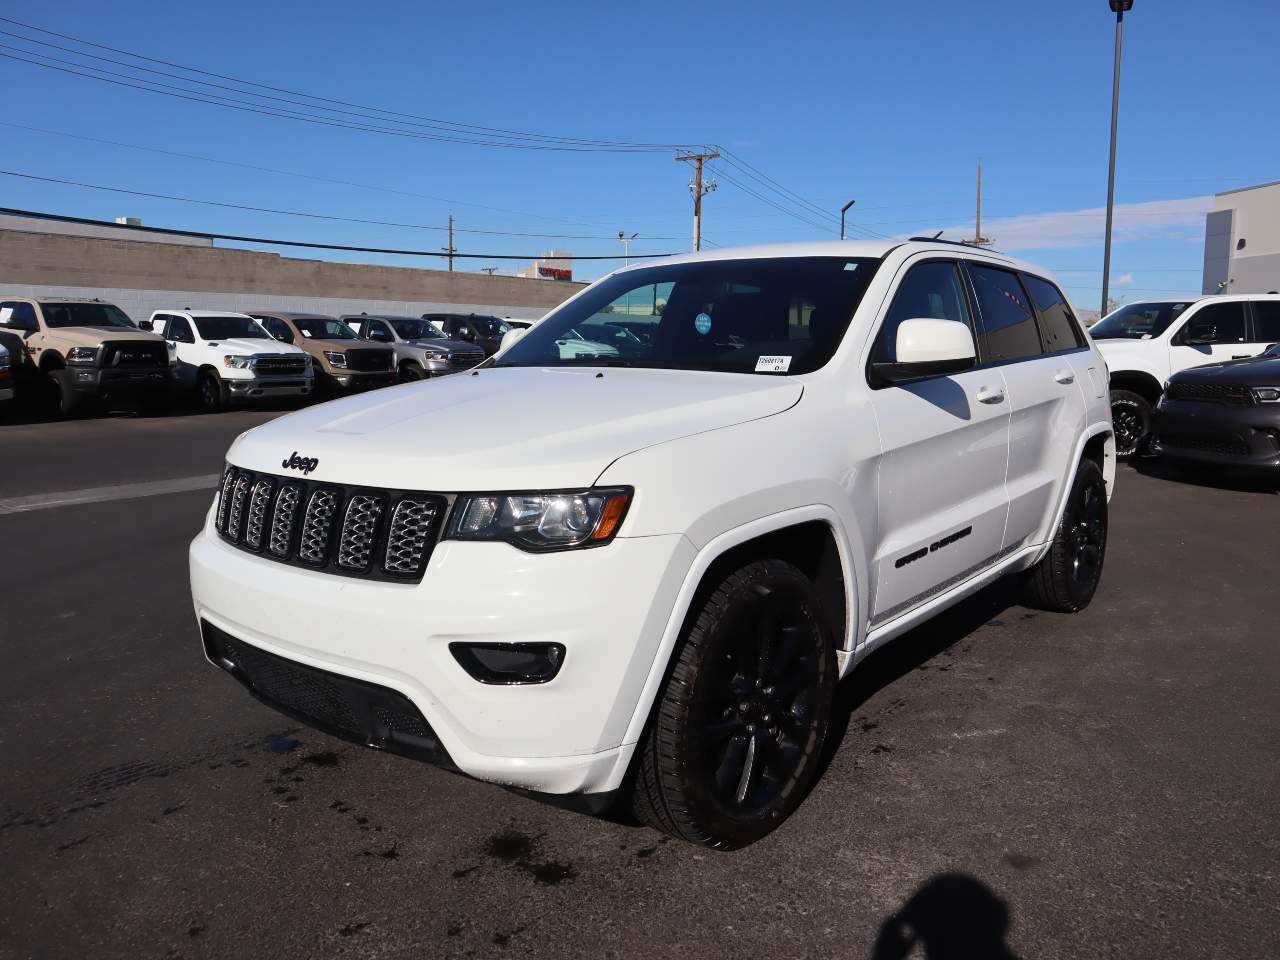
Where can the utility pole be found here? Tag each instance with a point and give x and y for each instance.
(489, 270)
(699, 190)
(978, 239)
(1118, 7)
(450, 249)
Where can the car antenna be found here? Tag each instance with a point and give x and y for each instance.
(938, 234)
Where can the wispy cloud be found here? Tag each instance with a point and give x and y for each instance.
(1124, 280)
(1181, 219)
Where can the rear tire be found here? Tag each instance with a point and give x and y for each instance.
(1132, 417)
(1067, 577)
(737, 733)
(211, 392)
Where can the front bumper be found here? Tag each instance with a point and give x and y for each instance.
(355, 381)
(1215, 433)
(94, 380)
(608, 606)
(262, 387)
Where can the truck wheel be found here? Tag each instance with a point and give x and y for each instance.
(1066, 577)
(66, 402)
(1132, 417)
(210, 392)
(737, 734)
(410, 371)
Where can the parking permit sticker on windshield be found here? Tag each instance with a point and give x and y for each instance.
(702, 323)
(773, 364)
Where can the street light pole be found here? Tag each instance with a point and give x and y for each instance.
(626, 246)
(1118, 7)
(843, 211)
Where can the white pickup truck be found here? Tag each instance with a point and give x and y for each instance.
(227, 357)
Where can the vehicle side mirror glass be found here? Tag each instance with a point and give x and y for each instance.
(465, 335)
(1199, 332)
(929, 347)
(145, 325)
(510, 337)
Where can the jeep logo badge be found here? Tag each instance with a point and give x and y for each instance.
(295, 462)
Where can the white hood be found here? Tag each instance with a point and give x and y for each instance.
(246, 347)
(508, 429)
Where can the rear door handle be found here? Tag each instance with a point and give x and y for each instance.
(1062, 376)
(991, 395)
(1241, 356)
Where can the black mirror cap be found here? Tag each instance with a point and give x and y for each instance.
(145, 325)
(892, 373)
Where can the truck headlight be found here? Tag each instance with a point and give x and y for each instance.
(541, 521)
(238, 363)
(337, 358)
(1266, 394)
(82, 355)
(433, 355)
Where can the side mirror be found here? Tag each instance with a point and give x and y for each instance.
(929, 348)
(145, 325)
(510, 337)
(1199, 332)
(465, 334)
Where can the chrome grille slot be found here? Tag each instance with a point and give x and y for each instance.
(235, 512)
(363, 532)
(283, 519)
(408, 537)
(359, 530)
(255, 522)
(316, 527)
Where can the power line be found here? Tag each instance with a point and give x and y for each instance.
(309, 216)
(206, 235)
(467, 132)
(769, 183)
(763, 199)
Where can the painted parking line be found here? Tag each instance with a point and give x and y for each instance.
(124, 491)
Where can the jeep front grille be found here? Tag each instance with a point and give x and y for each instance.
(351, 531)
(1230, 393)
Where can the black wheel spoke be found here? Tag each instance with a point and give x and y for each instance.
(729, 770)
(714, 734)
(752, 764)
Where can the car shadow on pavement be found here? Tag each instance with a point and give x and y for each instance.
(1214, 477)
(953, 916)
(903, 654)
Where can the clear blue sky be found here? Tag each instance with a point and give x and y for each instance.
(891, 103)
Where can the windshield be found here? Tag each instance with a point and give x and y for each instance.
(1138, 321)
(410, 329)
(224, 328)
(84, 315)
(322, 328)
(783, 315)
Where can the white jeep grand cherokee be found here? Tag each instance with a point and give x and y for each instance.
(648, 578)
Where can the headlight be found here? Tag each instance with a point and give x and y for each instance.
(337, 358)
(82, 355)
(542, 521)
(432, 355)
(238, 363)
(1266, 394)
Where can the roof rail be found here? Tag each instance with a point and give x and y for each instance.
(957, 243)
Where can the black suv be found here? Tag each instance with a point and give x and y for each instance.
(478, 328)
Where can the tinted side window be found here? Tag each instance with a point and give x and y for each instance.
(1008, 322)
(1266, 321)
(20, 316)
(1058, 327)
(180, 330)
(1217, 323)
(933, 290)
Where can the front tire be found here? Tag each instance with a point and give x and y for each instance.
(65, 400)
(738, 731)
(1132, 417)
(410, 372)
(1067, 577)
(211, 393)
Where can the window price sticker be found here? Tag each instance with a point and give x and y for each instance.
(773, 364)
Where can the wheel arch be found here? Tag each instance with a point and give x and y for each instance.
(1144, 384)
(813, 538)
(1099, 445)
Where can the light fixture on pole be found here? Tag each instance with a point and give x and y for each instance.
(626, 246)
(1119, 8)
(843, 211)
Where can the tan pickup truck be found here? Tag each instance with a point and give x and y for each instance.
(88, 349)
(344, 363)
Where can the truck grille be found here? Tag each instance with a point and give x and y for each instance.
(351, 531)
(370, 361)
(279, 365)
(1210, 392)
(465, 361)
(134, 353)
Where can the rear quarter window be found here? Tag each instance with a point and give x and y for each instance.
(1058, 327)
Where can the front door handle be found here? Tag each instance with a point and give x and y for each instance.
(1063, 376)
(991, 395)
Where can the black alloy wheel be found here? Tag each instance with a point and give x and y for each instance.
(1131, 418)
(410, 372)
(1086, 529)
(209, 391)
(739, 729)
(1067, 577)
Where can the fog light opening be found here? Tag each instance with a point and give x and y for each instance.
(508, 663)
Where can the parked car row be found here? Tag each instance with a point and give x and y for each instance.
(62, 353)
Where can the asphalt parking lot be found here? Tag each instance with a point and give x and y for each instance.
(1004, 782)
